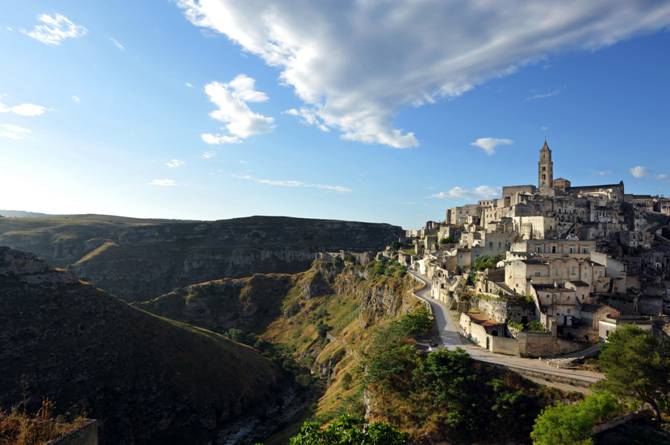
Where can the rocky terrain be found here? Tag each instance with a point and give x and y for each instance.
(147, 379)
(136, 259)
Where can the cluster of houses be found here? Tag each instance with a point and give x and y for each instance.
(548, 269)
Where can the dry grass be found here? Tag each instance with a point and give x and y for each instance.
(20, 428)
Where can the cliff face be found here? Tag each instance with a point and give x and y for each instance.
(139, 259)
(147, 379)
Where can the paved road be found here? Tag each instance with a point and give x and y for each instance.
(451, 339)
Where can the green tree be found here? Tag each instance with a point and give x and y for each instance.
(565, 424)
(637, 367)
(349, 430)
(487, 261)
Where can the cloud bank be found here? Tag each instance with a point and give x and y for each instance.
(355, 64)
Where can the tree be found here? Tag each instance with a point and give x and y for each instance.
(565, 424)
(349, 430)
(637, 367)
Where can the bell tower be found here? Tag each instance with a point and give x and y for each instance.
(545, 171)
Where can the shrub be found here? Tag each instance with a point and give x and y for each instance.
(572, 424)
(349, 430)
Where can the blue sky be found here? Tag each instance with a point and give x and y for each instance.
(361, 112)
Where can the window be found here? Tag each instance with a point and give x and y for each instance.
(544, 177)
(544, 168)
(553, 249)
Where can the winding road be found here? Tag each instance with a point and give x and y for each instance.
(451, 339)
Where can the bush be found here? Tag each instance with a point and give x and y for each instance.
(349, 430)
(487, 262)
(418, 323)
(323, 329)
(572, 424)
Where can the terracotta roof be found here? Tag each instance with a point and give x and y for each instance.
(482, 319)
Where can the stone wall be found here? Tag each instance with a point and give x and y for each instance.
(540, 344)
(503, 345)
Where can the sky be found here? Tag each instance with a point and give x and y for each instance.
(361, 110)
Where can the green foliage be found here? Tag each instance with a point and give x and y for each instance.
(535, 326)
(240, 336)
(466, 400)
(386, 267)
(515, 325)
(487, 262)
(348, 430)
(448, 240)
(637, 367)
(572, 424)
(418, 323)
(323, 329)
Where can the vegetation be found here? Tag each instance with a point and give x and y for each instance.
(487, 262)
(565, 424)
(535, 326)
(515, 325)
(21, 428)
(448, 240)
(637, 368)
(349, 430)
(445, 393)
(386, 267)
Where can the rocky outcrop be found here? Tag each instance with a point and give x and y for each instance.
(147, 379)
(140, 259)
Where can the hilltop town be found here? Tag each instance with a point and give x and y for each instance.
(550, 268)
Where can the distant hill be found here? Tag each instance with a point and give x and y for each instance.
(146, 378)
(21, 214)
(137, 259)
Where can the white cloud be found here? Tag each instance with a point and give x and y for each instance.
(118, 44)
(489, 144)
(163, 182)
(54, 29)
(174, 163)
(460, 193)
(308, 117)
(543, 95)
(355, 63)
(188, 84)
(76, 99)
(661, 176)
(232, 100)
(14, 132)
(294, 184)
(639, 171)
(207, 155)
(27, 110)
(603, 172)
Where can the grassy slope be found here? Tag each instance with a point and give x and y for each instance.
(88, 351)
(344, 312)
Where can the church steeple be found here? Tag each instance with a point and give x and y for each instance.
(545, 170)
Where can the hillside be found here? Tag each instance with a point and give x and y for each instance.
(147, 379)
(136, 259)
(324, 317)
